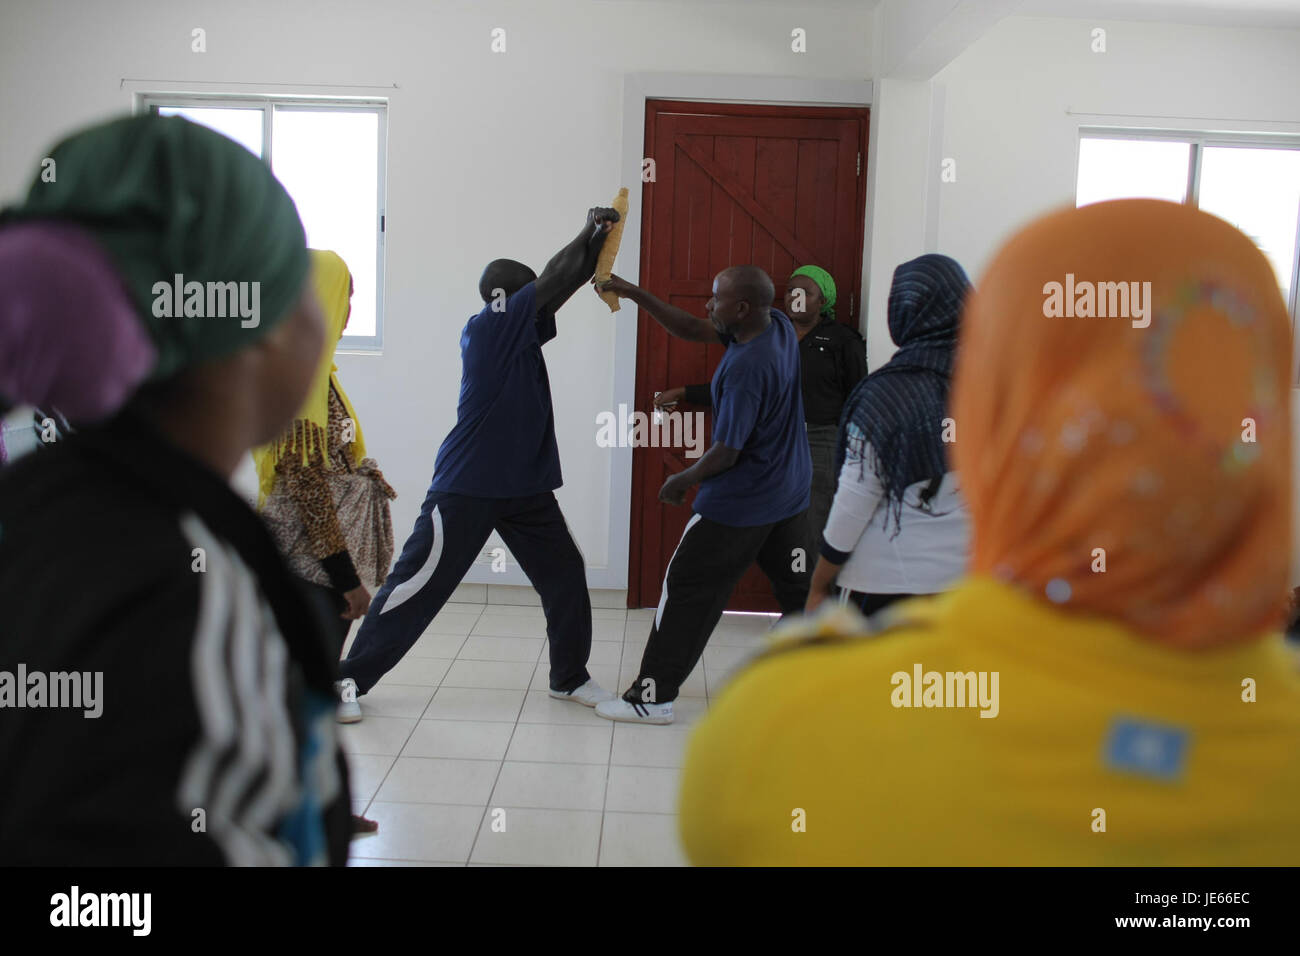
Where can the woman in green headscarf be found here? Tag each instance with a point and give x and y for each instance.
(221, 699)
(833, 359)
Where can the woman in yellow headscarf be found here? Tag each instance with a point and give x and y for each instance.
(1109, 684)
(326, 503)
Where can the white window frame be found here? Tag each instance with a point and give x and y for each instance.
(1198, 141)
(150, 101)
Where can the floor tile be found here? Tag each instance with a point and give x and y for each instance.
(420, 831)
(509, 625)
(556, 743)
(506, 675)
(551, 786)
(649, 746)
(607, 630)
(514, 610)
(424, 780)
(603, 654)
(463, 607)
(641, 839)
(475, 703)
(480, 647)
(376, 735)
(452, 622)
(640, 789)
(428, 671)
(463, 739)
(396, 700)
(365, 773)
(462, 733)
(434, 644)
(540, 837)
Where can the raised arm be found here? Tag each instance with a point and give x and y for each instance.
(571, 267)
(677, 321)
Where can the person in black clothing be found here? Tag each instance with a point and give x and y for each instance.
(166, 684)
(833, 359)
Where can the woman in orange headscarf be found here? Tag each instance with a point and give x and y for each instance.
(1126, 457)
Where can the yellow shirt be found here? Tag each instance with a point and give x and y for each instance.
(1106, 749)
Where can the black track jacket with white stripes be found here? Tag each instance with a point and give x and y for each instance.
(165, 682)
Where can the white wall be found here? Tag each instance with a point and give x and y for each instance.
(898, 187)
(488, 155)
(1005, 122)
(1000, 111)
(1006, 125)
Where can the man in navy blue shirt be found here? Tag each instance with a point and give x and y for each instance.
(754, 483)
(497, 470)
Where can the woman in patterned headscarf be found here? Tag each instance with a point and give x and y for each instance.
(216, 743)
(1129, 484)
(325, 501)
(898, 526)
(315, 526)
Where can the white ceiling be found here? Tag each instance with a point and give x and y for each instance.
(1242, 13)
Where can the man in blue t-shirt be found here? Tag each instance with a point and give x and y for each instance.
(754, 483)
(497, 470)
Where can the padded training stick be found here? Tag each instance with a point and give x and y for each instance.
(605, 262)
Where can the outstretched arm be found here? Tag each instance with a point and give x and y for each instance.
(572, 266)
(677, 321)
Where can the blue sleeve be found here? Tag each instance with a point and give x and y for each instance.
(545, 326)
(735, 416)
(524, 303)
(507, 333)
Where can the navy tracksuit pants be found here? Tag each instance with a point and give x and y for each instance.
(448, 536)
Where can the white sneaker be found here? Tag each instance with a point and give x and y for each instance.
(589, 694)
(349, 710)
(620, 709)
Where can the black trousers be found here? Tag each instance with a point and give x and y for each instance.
(821, 446)
(709, 562)
(448, 535)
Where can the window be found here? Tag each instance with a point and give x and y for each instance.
(329, 154)
(1251, 182)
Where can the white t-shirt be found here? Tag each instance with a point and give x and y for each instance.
(926, 556)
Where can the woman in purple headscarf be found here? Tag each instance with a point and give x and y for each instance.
(69, 338)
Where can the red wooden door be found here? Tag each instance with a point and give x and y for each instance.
(774, 186)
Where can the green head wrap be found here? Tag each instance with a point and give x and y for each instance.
(165, 197)
(824, 282)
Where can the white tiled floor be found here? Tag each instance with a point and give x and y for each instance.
(463, 758)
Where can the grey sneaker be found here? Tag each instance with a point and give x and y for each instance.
(589, 694)
(349, 710)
